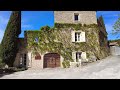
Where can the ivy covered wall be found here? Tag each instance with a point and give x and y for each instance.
(58, 40)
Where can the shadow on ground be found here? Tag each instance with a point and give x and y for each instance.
(5, 72)
(10, 70)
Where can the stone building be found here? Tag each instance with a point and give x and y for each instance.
(80, 30)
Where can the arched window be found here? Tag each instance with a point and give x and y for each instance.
(37, 56)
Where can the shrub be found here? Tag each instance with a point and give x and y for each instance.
(9, 44)
(66, 64)
(63, 63)
(11, 70)
(1, 63)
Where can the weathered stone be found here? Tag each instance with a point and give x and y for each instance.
(86, 17)
(92, 45)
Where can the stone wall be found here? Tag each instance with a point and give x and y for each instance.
(37, 64)
(91, 46)
(91, 43)
(32, 62)
(103, 40)
(86, 17)
(22, 50)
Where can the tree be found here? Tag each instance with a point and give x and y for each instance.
(116, 26)
(0, 52)
(9, 42)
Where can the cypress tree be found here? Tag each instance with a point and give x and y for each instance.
(10, 39)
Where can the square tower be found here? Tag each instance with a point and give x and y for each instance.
(75, 17)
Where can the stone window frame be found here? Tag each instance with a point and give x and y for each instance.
(76, 13)
(82, 36)
(76, 16)
(83, 56)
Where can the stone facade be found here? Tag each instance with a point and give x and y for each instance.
(85, 17)
(103, 40)
(89, 36)
(22, 50)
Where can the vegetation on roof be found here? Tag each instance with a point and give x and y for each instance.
(117, 40)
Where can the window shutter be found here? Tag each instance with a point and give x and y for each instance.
(79, 17)
(82, 37)
(83, 55)
(73, 36)
(74, 56)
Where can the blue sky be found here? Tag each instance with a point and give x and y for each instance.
(34, 20)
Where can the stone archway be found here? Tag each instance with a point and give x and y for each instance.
(51, 60)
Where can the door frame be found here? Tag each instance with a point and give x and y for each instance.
(45, 62)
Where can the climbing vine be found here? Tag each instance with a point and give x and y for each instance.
(58, 40)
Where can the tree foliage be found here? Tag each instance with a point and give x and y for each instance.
(116, 26)
(10, 39)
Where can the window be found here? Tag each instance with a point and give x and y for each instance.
(76, 16)
(37, 56)
(23, 58)
(78, 56)
(36, 39)
(77, 37)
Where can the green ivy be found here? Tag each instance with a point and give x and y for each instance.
(47, 36)
(66, 64)
(75, 26)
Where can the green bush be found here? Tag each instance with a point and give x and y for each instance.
(19, 69)
(9, 44)
(10, 70)
(1, 63)
(68, 25)
(63, 63)
(66, 64)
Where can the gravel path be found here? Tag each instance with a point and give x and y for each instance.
(108, 68)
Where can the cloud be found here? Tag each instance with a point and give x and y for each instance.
(109, 27)
(1, 34)
(25, 25)
(3, 20)
(4, 17)
(111, 36)
(108, 14)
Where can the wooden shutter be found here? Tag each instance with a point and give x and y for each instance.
(73, 36)
(82, 37)
(74, 56)
(79, 17)
(83, 55)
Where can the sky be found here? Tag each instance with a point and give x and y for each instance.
(34, 20)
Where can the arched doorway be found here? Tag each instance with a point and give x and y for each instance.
(51, 60)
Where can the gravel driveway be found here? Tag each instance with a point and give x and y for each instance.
(108, 68)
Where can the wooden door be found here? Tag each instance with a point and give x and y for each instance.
(51, 60)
